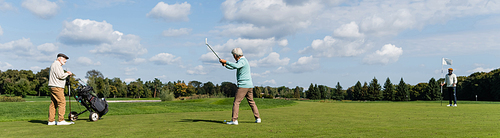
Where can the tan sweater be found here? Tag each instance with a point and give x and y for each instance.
(57, 77)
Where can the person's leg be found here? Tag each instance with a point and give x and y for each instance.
(251, 102)
(455, 94)
(240, 94)
(61, 103)
(450, 93)
(52, 106)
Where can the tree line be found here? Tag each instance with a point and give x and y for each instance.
(480, 84)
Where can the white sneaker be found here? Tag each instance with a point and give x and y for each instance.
(233, 122)
(455, 105)
(258, 120)
(449, 105)
(52, 123)
(65, 123)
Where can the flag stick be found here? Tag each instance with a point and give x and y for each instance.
(440, 84)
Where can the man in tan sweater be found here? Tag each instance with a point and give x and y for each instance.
(57, 81)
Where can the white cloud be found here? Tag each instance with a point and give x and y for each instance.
(108, 41)
(480, 69)
(35, 68)
(5, 6)
(267, 18)
(271, 82)
(165, 59)
(129, 71)
(128, 80)
(252, 48)
(348, 30)
(41, 8)
(332, 47)
(177, 32)
(5, 66)
(304, 64)
(129, 47)
(135, 61)
(171, 13)
(48, 48)
(162, 77)
(200, 70)
(23, 48)
(209, 58)
(80, 32)
(87, 61)
(1, 30)
(388, 54)
(106, 3)
(263, 74)
(270, 61)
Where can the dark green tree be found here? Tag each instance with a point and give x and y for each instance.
(338, 93)
(402, 92)
(389, 93)
(374, 90)
(357, 91)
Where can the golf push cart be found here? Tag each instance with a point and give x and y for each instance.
(85, 95)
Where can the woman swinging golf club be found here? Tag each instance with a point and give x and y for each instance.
(245, 85)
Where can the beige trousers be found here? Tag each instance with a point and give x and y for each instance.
(240, 94)
(58, 102)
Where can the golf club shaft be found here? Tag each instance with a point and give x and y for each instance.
(206, 42)
(213, 51)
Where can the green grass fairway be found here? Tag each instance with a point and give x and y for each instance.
(305, 119)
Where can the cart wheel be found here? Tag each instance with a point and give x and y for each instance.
(94, 116)
(73, 116)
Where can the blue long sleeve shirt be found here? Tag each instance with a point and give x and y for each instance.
(243, 74)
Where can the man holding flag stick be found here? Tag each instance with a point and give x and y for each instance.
(451, 82)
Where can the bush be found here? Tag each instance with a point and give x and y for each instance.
(166, 95)
(266, 96)
(11, 99)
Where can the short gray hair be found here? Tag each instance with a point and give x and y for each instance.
(237, 52)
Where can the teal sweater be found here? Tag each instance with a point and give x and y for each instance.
(243, 74)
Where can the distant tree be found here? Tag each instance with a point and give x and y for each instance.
(374, 90)
(433, 90)
(136, 88)
(94, 73)
(364, 92)
(209, 88)
(228, 89)
(389, 90)
(256, 92)
(323, 91)
(266, 90)
(338, 94)
(417, 92)
(402, 93)
(310, 91)
(357, 91)
(180, 89)
(296, 93)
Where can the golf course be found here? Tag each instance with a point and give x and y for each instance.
(280, 118)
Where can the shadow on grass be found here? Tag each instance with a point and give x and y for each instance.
(45, 122)
(200, 120)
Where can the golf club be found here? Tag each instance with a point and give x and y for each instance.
(206, 42)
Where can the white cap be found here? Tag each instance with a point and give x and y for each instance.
(237, 52)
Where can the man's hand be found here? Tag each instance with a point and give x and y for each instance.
(222, 61)
(69, 72)
(442, 84)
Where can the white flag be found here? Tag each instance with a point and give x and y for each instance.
(447, 61)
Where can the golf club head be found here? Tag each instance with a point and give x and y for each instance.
(206, 41)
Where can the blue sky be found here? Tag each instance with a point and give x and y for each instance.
(288, 42)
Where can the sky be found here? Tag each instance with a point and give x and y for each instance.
(287, 42)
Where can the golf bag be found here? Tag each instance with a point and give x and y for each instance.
(95, 105)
